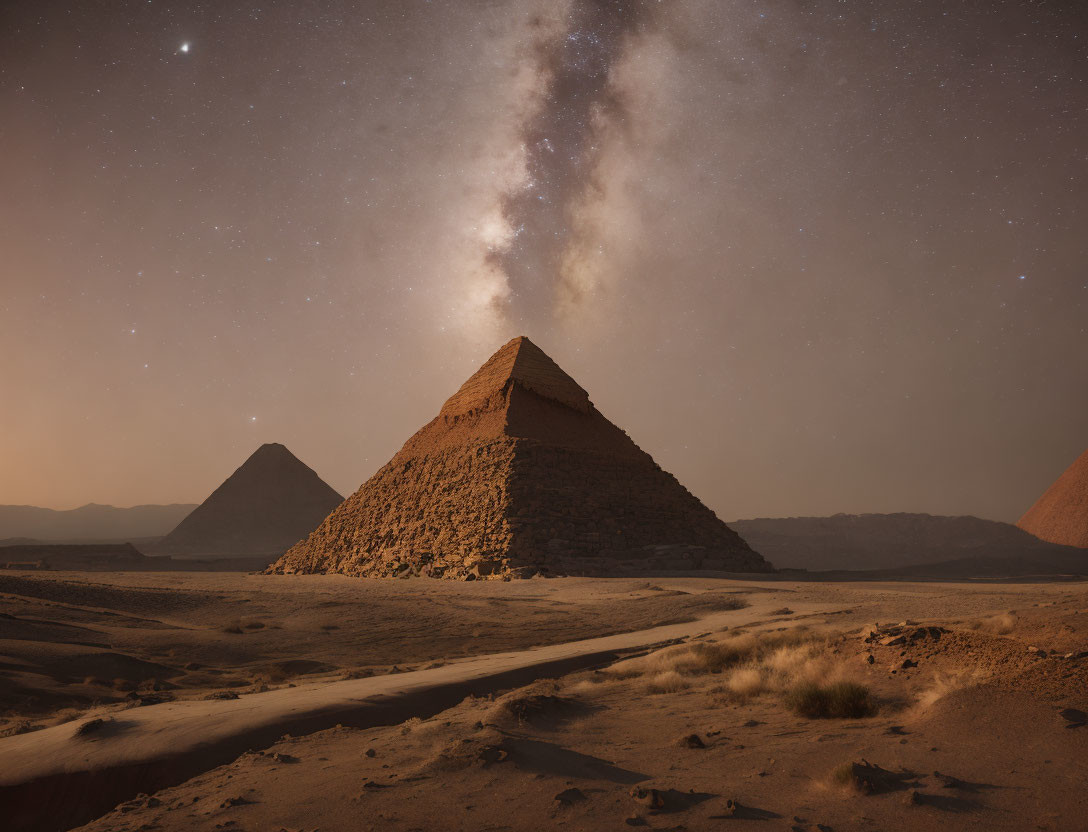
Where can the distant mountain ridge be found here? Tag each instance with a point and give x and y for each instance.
(892, 541)
(91, 523)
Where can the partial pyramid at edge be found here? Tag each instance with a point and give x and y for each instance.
(269, 504)
(1061, 514)
(520, 474)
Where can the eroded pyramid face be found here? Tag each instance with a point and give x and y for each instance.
(519, 474)
(1061, 514)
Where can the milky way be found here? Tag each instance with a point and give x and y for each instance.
(562, 141)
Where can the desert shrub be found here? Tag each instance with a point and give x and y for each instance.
(838, 700)
(668, 682)
(746, 681)
(701, 658)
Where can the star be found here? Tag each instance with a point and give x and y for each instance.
(184, 47)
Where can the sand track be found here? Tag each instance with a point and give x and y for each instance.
(146, 749)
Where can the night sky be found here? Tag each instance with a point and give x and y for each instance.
(814, 256)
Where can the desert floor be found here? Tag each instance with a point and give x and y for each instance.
(411, 704)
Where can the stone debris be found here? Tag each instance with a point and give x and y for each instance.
(568, 797)
(519, 475)
(692, 741)
(1075, 717)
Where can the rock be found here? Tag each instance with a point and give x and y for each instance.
(947, 781)
(870, 659)
(370, 752)
(892, 641)
(491, 754)
(91, 726)
(1076, 655)
(1037, 651)
(730, 809)
(568, 797)
(692, 741)
(222, 694)
(635, 820)
(908, 663)
(1074, 716)
(650, 798)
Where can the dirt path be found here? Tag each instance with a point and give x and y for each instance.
(146, 749)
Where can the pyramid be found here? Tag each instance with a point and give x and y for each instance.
(1061, 514)
(263, 508)
(519, 474)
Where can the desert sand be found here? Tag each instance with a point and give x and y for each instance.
(422, 704)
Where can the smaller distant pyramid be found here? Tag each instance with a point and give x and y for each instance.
(265, 507)
(1061, 514)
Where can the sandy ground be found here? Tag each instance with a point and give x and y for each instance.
(972, 703)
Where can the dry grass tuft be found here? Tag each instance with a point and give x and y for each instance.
(838, 700)
(667, 682)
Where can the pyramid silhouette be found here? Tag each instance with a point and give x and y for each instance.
(1061, 514)
(518, 474)
(263, 508)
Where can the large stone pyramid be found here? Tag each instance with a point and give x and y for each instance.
(263, 508)
(518, 474)
(1061, 514)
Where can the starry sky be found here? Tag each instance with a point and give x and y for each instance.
(814, 256)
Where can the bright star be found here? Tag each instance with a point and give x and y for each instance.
(184, 47)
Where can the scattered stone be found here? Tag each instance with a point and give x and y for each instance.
(871, 779)
(870, 659)
(491, 754)
(947, 781)
(692, 741)
(783, 611)
(892, 641)
(284, 758)
(730, 809)
(370, 752)
(222, 694)
(233, 801)
(568, 797)
(1038, 652)
(1076, 655)
(650, 798)
(1074, 716)
(91, 726)
(908, 663)
(635, 820)
(895, 729)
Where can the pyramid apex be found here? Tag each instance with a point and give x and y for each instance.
(519, 361)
